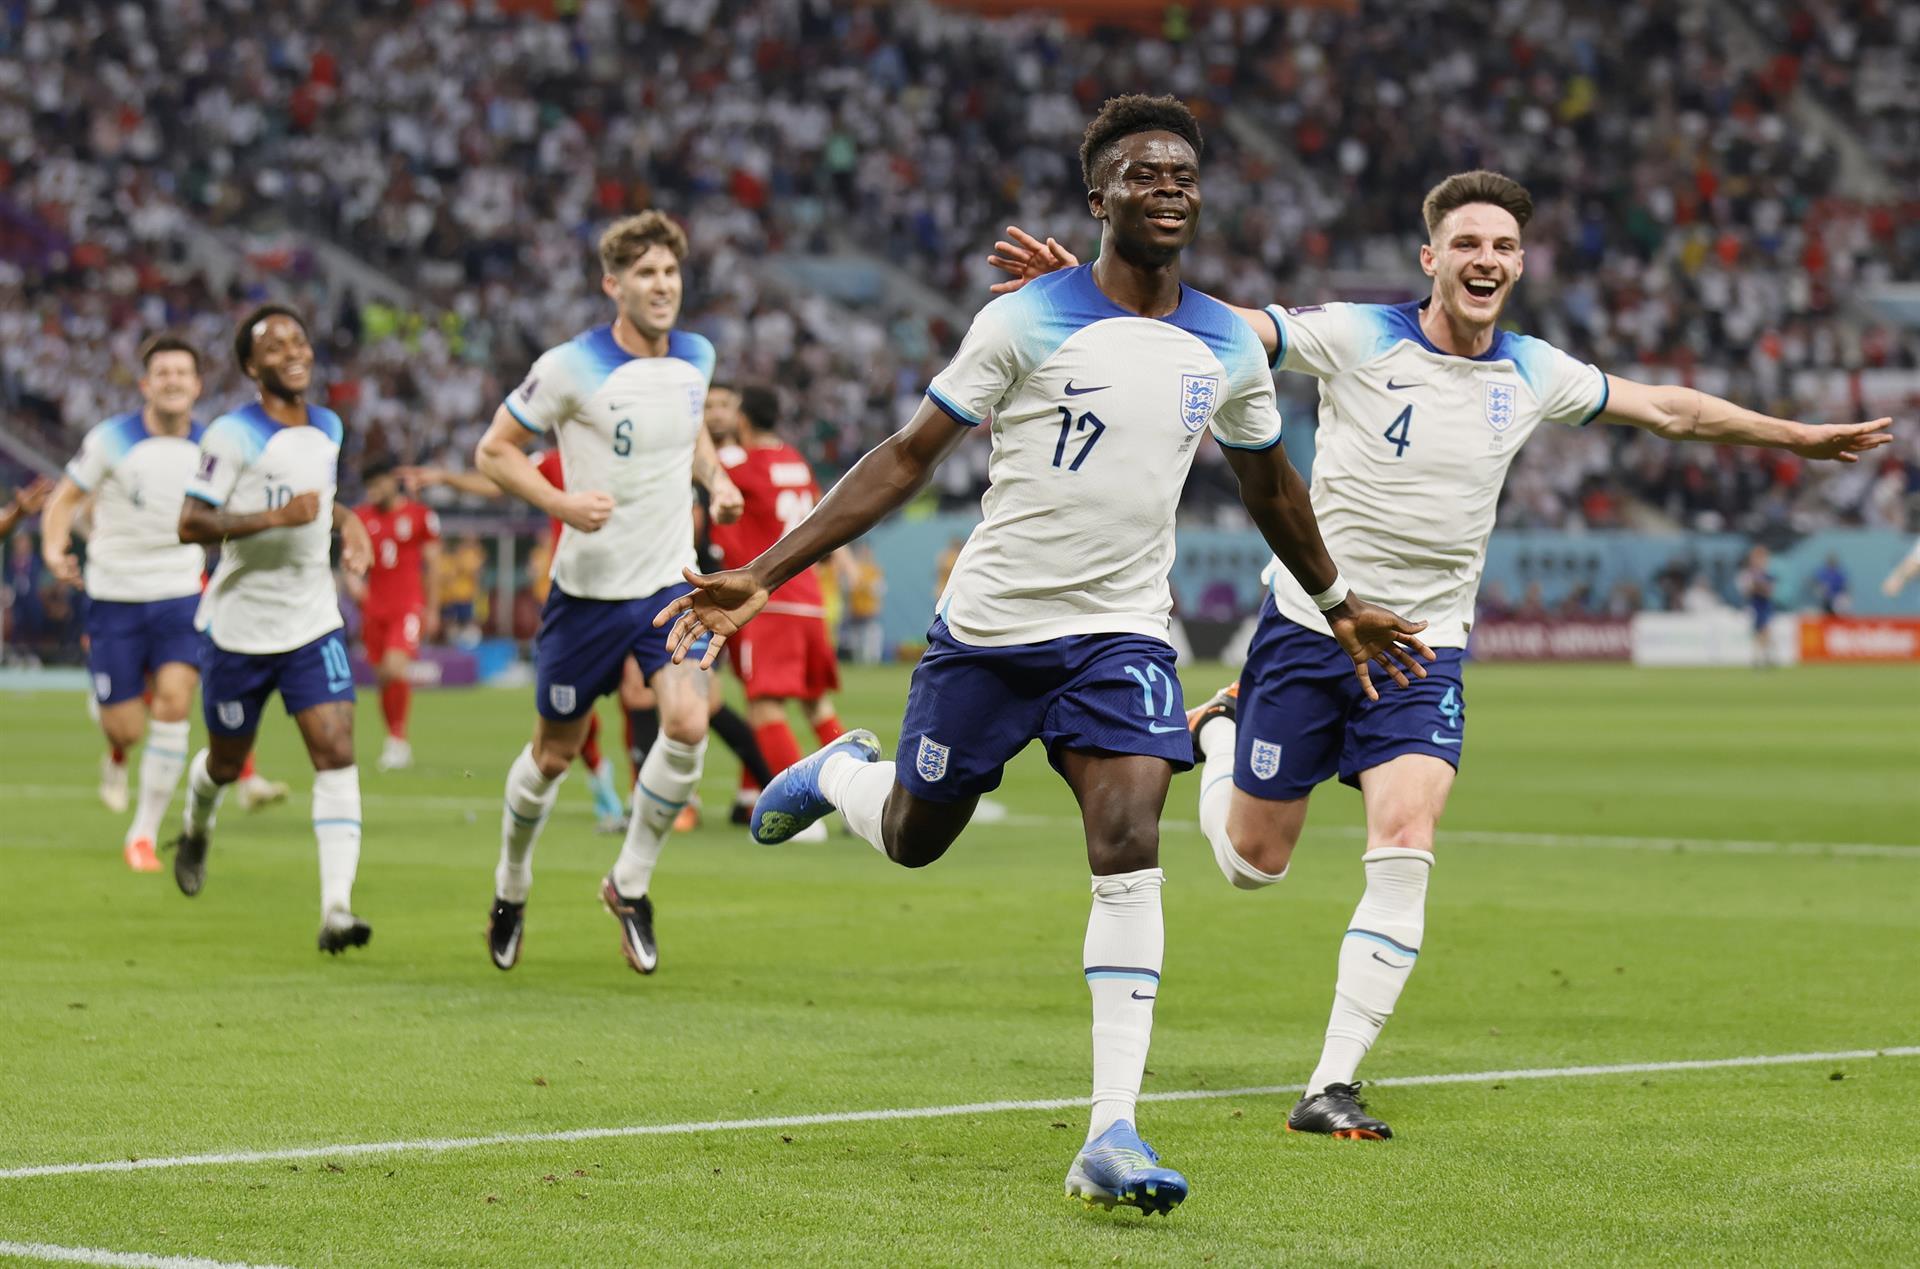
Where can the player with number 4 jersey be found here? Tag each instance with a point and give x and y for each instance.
(1097, 386)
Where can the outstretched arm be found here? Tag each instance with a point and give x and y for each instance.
(25, 503)
(204, 524)
(1276, 498)
(1025, 257)
(416, 479)
(1687, 414)
(1903, 572)
(879, 484)
(723, 497)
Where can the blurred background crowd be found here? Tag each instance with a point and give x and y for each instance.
(426, 178)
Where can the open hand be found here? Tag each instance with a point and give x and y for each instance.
(302, 508)
(1374, 637)
(1026, 258)
(718, 605)
(1846, 443)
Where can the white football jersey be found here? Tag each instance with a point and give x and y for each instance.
(625, 426)
(274, 591)
(1096, 414)
(137, 479)
(1413, 447)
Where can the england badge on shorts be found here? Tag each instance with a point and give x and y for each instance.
(102, 686)
(931, 760)
(1197, 395)
(561, 697)
(231, 714)
(1265, 759)
(1502, 399)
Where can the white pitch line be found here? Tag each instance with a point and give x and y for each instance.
(122, 1259)
(488, 804)
(433, 1145)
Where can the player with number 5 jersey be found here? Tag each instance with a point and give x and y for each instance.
(623, 403)
(1096, 386)
(264, 490)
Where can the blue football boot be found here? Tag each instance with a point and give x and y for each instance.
(1117, 1168)
(793, 800)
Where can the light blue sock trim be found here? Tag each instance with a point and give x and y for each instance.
(671, 806)
(318, 823)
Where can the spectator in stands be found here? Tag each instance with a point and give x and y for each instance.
(1829, 585)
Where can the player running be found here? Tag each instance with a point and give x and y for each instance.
(786, 655)
(623, 403)
(143, 584)
(264, 490)
(1422, 408)
(1099, 383)
(400, 604)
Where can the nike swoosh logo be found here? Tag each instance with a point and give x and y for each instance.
(1161, 728)
(1389, 964)
(1438, 739)
(1395, 387)
(1137, 996)
(1081, 392)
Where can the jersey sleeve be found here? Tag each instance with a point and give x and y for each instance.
(983, 372)
(90, 466)
(223, 456)
(547, 396)
(1569, 390)
(429, 525)
(1322, 339)
(1249, 417)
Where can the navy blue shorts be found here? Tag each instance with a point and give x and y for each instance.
(128, 641)
(583, 643)
(234, 686)
(1303, 717)
(971, 709)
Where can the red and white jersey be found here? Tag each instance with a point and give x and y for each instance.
(779, 490)
(396, 580)
(549, 464)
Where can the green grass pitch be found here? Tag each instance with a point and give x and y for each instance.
(1564, 928)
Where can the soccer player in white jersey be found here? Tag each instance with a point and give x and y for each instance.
(1099, 385)
(264, 490)
(623, 402)
(142, 582)
(1422, 408)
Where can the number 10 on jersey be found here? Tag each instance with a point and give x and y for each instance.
(1088, 424)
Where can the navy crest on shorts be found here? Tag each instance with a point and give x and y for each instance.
(930, 760)
(561, 696)
(1501, 399)
(1265, 759)
(1197, 396)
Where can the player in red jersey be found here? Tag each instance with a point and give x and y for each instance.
(401, 603)
(786, 655)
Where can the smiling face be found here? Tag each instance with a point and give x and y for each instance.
(1149, 196)
(171, 382)
(282, 358)
(647, 291)
(1474, 259)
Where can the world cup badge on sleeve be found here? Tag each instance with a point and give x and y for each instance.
(930, 760)
(1502, 404)
(1197, 396)
(1265, 759)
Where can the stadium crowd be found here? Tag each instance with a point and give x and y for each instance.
(470, 156)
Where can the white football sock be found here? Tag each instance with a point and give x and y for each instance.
(161, 763)
(1216, 797)
(667, 779)
(859, 790)
(529, 798)
(1125, 943)
(203, 797)
(336, 826)
(1376, 956)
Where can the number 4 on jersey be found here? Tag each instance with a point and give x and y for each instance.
(1399, 432)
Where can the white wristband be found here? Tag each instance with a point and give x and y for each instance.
(1333, 596)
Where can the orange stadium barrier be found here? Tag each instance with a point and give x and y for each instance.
(1860, 639)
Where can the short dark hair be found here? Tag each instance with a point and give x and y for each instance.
(381, 464)
(166, 343)
(243, 338)
(1123, 116)
(1479, 186)
(761, 405)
